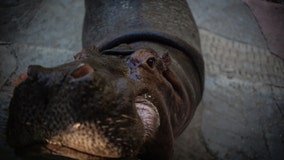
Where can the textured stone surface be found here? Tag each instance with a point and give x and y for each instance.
(241, 116)
(244, 100)
(44, 23)
(8, 63)
(229, 18)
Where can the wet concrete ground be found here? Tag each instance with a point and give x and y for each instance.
(242, 112)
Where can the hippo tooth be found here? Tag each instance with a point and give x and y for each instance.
(147, 96)
(76, 125)
(53, 142)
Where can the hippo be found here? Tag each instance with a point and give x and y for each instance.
(128, 94)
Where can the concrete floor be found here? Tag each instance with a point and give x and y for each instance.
(242, 113)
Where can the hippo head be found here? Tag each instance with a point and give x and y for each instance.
(109, 106)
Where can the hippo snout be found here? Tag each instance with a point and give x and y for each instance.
(83, 107)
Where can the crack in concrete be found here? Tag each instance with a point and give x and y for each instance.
(266, 143)
(278, 107)
(5, 43)
(207, 148)
(14, 54)
(276, 101)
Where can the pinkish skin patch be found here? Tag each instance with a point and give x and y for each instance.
(22, 77)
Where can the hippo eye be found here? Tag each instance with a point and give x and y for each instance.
(151, 62)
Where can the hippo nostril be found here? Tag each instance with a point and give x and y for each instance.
(82, 70)
(35, 72)
(42, 75)
(32, 73)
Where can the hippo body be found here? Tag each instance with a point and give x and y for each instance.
(128, 94)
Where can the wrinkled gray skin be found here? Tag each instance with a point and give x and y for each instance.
(127, 98)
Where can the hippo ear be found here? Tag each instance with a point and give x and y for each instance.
(166, 61)
(86, 53)
(83, 70)
(171, 76)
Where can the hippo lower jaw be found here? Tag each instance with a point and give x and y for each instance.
(54, 147)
